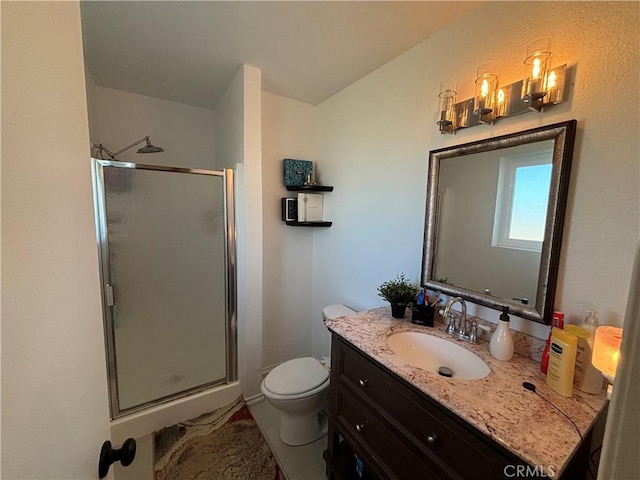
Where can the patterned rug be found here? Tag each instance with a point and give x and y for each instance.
(222, 445)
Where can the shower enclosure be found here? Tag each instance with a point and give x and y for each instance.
(167, 263)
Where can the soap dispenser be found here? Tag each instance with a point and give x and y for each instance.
(590, 322)
(501, 344)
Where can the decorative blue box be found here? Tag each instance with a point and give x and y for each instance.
(294, 172)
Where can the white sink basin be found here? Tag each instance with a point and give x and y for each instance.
(431, 353)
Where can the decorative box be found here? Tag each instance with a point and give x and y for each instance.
(294, 172)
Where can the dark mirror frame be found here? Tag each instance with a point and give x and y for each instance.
(563, 135)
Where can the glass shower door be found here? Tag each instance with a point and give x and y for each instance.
(166, 273)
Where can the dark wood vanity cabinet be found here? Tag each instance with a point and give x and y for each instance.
(398, 432)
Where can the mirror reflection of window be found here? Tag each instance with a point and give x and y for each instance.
(522, 198)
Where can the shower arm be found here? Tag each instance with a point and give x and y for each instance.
(101, 148)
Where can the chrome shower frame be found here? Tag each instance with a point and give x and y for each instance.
(231, 326)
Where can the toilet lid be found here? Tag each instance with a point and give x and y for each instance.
(296, 376)
(337, 310)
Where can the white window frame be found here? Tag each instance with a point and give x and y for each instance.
(504, 199)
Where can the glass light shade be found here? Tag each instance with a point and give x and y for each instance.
(606, 350)
(446, 110)
(484, 101)
(536, 68)
(502, 101)
(462, 114)
(555, 85)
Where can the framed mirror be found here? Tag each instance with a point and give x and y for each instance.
(494, 219)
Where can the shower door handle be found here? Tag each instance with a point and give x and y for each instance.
(108, 292)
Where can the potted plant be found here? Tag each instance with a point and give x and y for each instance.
(399, 292)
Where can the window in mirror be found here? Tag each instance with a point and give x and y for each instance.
(522, 198)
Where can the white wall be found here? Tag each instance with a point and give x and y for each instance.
(288, 131)
(54, 388)
(185, 132)
(238, 143)
(229, 113)
(374, 138)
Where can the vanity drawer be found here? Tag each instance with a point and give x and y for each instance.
(418, 419)
(377, 445)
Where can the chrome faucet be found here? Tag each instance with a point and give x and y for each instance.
(458, 328)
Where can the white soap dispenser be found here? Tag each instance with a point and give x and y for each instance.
(501, 344)
(590, 322)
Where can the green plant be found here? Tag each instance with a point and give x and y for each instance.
(398, 291)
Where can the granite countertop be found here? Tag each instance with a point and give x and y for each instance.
(497, 404)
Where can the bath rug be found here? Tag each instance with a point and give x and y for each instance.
(225, 444)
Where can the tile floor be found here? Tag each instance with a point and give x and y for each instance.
(304, 462)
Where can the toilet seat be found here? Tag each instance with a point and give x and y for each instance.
(296, 377)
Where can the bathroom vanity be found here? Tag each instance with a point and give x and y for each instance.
(397, 421)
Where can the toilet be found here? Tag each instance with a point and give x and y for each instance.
(298, 388)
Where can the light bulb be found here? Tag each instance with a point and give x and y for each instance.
(484, 89)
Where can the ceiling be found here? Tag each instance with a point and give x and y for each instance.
(188, 52)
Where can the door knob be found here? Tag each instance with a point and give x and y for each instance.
(125, 455)
(359, 427)
(363, 382)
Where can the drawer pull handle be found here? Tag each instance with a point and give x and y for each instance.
(363, 382)
(431, 438)
(359, 427)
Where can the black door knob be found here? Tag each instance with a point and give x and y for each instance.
(108, 455)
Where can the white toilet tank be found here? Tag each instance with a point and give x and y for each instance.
(337, 310)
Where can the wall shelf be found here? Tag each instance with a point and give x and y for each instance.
(310, 188)
(292, 223)
(290, 210)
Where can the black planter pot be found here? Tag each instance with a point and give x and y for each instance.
(398, 310)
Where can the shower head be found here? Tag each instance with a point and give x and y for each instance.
(148, 148)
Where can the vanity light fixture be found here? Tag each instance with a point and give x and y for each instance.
(606, 353)
(484, 101)
(541, 87)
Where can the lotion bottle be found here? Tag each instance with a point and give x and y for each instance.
(501, 344)
(562, 362)
(587, 378)
(590, 381)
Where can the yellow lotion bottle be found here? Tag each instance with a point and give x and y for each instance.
(562, 362)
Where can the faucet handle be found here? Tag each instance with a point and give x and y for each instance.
(473, 335)
(451, 324)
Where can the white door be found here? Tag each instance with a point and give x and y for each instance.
(55, 412)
